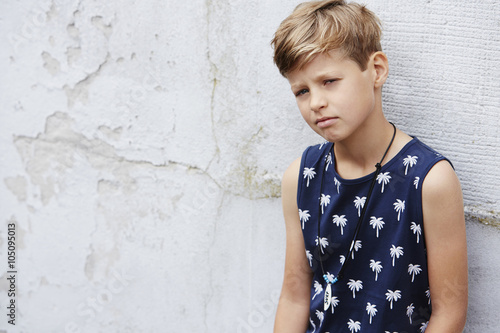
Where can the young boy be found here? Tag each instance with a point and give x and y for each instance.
(375, 230)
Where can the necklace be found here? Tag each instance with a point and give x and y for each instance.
(329, 279)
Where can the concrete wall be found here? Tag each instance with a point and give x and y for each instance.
(142, 145)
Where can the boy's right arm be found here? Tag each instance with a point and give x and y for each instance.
(293, 307)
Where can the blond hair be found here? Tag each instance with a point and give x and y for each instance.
(317, 27)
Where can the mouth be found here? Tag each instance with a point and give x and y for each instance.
(326, 121)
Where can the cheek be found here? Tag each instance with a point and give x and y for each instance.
(304, 110)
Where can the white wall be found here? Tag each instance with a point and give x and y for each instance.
(142, 145)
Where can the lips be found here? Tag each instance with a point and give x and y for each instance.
(326, 121)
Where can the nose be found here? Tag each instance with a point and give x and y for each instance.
(317, 101)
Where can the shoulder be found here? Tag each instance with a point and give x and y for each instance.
(289, 182)
(441, 180)
(442, 203)
(309, 158)
(292, 170)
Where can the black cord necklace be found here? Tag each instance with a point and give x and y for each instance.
(328, 278)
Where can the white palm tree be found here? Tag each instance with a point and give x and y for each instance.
(409, 311)
(312, 324)
(376, 267)
(384, 179)
(423, 327)
(337, 183)
(334, 303)
(321, 317)
(354, 326)
(377, 222)
(414, 270)
(329, 161)
(340, 221)
(415, 182)
(355, 286)
(318, 289)
(396, 252)
(417, 230)
(342, 259)
(371, 309)
(409, 161)
(359, 203)
(392, 296)
(357, 245)
(309, 257)
(304, 216)
(324, 201)
(322, 144)
(322, 243)
(330, 276)
(399, 207)
(309, 173)
(428, 294)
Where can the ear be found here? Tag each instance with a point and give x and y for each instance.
(381, 68)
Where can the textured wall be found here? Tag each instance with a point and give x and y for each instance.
(143, 144)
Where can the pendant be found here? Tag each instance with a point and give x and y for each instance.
(328, 296)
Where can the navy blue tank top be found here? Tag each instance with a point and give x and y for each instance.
(385, 286)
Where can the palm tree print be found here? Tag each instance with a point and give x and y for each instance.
(324, 201)
(392, 296)
(417, 230)
(371, 309)
(334, 303)
(357, 245)
(355, 286)
(384, 179)
(415, 182)
(396, 252)
(376, 267)
(354, 326)
(330, 276)
(342, 259)
(377, 223)
(337, 183)
(409, 161)
(409, 311)
(309, 173)
(414, 270)
(309, 257)
(423, 327)
(321, 317)
(328, 160)
(399, 207)
(318, 289)
(428, 294)
(322, 243)
(304, 216)
(322, 144)
(359, 203)
(313, 325)
(340, 221)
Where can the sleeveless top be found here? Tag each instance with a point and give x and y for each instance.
(385, 286)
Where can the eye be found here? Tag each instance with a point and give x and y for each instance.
(301, 92)
(329, 81)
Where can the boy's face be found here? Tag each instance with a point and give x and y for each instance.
(334, 96)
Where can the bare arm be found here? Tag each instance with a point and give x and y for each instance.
(444, 226)
(293, 307)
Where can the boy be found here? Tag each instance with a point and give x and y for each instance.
(375, 230)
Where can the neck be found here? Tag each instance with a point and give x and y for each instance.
(357, 155)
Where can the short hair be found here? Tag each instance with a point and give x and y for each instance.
(317, 27)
